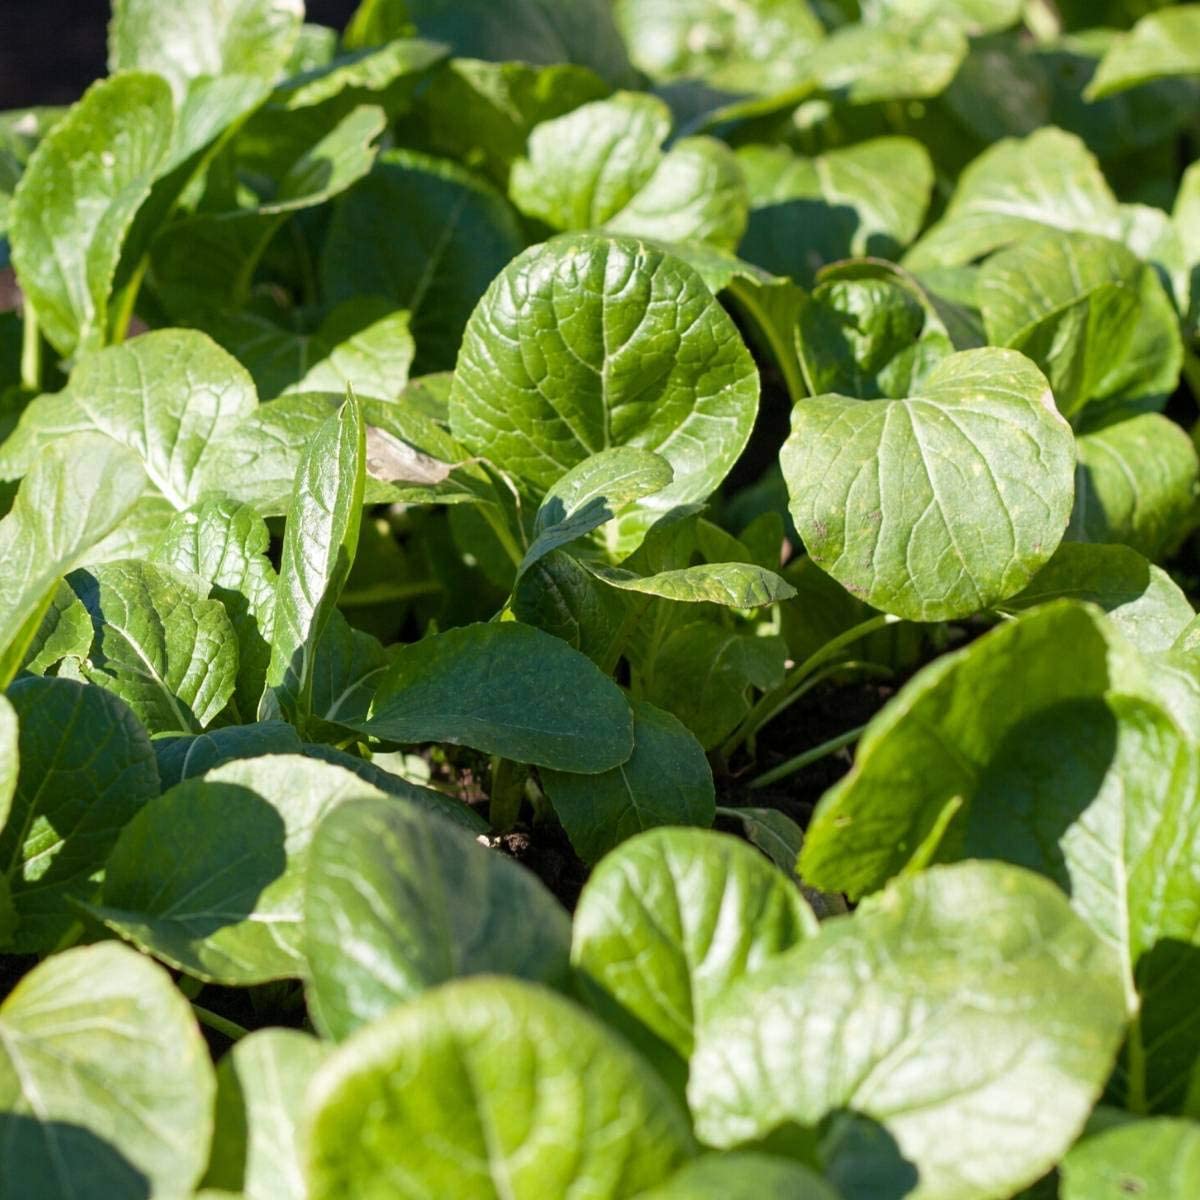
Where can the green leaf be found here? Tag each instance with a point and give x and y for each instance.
(934, 748)
(65, 631)
(666, 781)
(398, 902)
(1142, 600)
(226, 543)
(1136, 483)
(258, 1144)
(877, 487)
(586, 343)
(742, 1177)
(602, 166)
(1136, 1158)
(672, 919)
(490, 1087)
(806, 212)
(161, 644)
(87, 767)
(590, 494)
(1067, 301)
(168, 396)
(207, 38)
(1160, 45)
(505, 689)
(751, 47)
(705, 675)
(181, 758)
(939, 1010)
(730, 584)
(318, 552)
(77, 201)
(1017, 187)
(105, 1082)
(426, 235)
(77, 491)
(209, 876)
(9, 743)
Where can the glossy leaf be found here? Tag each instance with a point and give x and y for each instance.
(586, 343)
(731, 584)
(490, 1087)
(505, 689)
(105, 1081)
(209, 877)
(905, 1014)
(876, 487)
(398, 902)
(1161, 44)
(666, 781)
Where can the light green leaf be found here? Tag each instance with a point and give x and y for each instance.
(1067, 301)
(385, 75)
(87, 767)
(184, 43)
(76, 492)
(590, 494)
(398, 902)
(945, 1009)
(1017, 187)
(1156, 1158)
(209, 876)
(9, 744)
(933, 749)
(672, 919)
(105, 1082)
(78, 198)
(505, 689)
(169, 396)
(806, 212)
(586, 343)
(742, 1177)
(1136, 483)
(1160, 45)
(161, 644)
(666, 781)
(66, 630)
(976, 17)
(602, 166)
(426, 235)
(258, 1145)
(181, 758)
(730, 584)
(485, 1088)
(705, 674)
(226, 543)
(318, 551)
(1142, 600)
(877, 487)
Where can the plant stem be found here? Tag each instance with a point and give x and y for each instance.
(504, 799)
(775, 701)
(784, 355)
(219, 1024)
(809, 756)
(31, 348)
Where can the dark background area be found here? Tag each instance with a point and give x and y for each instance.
(50, 50)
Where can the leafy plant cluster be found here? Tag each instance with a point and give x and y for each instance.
(508, 415)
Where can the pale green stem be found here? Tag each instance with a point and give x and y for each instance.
(832, 746)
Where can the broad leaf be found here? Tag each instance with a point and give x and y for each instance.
(169, 396)
(505, 689)
(1160, 45)
(105, 1082)
(666, 781)
(877, 487)
(318, 552)
(162, 645)
(742, 1177)
(87, 767)
(209, 877)
(602, 166)
(730, 584)
(78, 198)
(258, 1145)
(1135, 1158)
(505, 1089)
(672, 919)
(77, 491)
(65, 631)
(1142, 600)
(905, 1014)
(806, 212)
(398, 902)
(181, 758)
(586, 343)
